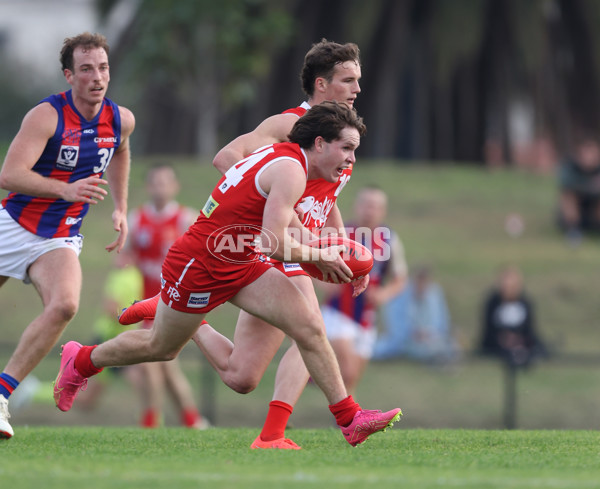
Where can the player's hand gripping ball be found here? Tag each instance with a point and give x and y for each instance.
(358, 257)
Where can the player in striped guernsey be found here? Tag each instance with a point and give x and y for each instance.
(351, 321)
(54, 171)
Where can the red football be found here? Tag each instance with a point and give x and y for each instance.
(356, 256)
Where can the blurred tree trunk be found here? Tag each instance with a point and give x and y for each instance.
(421, 59)
(380, 101)
(467, 112)
(581, 73)
(552, 80)
(495, 83)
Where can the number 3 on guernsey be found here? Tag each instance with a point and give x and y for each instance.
(105, 157)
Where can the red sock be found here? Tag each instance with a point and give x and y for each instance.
(83, 362)
(189, 417)
(149, 419)
(277, 418)
(344, 411)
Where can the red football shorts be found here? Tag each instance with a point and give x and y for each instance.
(198, 284)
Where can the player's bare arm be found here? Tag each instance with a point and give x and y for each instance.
(274, 129)
(37, 128)
(117, 175)
(285, 182)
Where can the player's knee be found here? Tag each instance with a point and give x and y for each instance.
(64, 310)
(160, 353)
(242, 384)
(166, 355)
(241, 387)
(310, 330)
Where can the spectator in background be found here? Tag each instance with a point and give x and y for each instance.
(350, 321)
(508, 320)
(153, 228)
(579, 182)
(418, 323)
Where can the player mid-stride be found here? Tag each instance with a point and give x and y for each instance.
(54, 171)
(256, 196)
(331, 71)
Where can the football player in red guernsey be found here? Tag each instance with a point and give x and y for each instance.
(217, 260)
(53, 171)
(331, 71)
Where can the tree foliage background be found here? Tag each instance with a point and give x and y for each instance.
(443, 80)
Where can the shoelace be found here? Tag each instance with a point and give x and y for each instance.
(371, 411)
(82, 386)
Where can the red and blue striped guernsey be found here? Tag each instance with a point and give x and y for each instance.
(78, 149)
(360, 309)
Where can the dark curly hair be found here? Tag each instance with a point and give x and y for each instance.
(321, 59)
(327, 120)
(86, 40)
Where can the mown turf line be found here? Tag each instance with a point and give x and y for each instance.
(176, 458)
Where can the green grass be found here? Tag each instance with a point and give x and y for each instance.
(220, 458)
(452, 217)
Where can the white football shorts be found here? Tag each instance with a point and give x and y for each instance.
(19, 248)
(339, 326)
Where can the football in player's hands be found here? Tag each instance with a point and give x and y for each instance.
(358, 257)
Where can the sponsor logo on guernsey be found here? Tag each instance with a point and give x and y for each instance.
(105, 140)
(210, 206)
(163, 282)
(67, 157)
(71, 137)
(291, 267)
(173, 293)
(344, 179)
(316, 210)
(69, 221)
(198, 299)
(88, 131)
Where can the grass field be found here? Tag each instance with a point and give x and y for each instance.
(450, 216)
(219, 458)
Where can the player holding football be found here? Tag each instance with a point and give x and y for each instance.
(53, 170)
(331, 71)
(257, 197)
